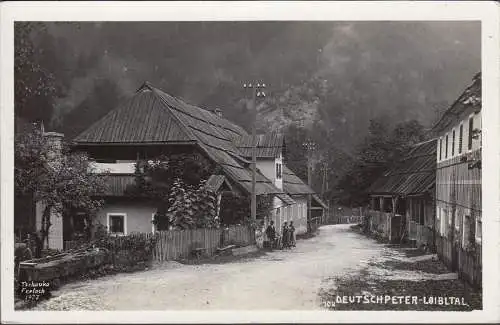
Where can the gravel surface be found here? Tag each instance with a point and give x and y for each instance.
(279, 280)
(401, 272)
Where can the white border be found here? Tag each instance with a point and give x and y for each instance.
(487, 12)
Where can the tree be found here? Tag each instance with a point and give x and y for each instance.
(59, 180)
(191, 206)
(34, 86)
(177, 183)
(380, 150)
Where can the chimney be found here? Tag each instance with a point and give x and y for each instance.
(54, 144)
(218, 112)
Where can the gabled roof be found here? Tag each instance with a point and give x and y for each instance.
(286, 199)
(268, 145)
(141, 119)
(152, 116)
(319, 201)
(468, 101)
(415, 173)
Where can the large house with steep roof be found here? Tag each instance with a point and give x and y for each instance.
(153, 123)
(458, 184)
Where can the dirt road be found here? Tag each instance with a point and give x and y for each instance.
(280, 280)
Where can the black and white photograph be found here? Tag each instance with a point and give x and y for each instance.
(299, 165)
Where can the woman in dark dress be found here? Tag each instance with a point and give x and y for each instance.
(291, 231)
(271, 234)
(286, 237)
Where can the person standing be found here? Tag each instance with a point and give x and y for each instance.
(285, 235)
(291, 230)
(271, 234)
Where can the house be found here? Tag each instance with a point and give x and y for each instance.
(402, 200)
(458, 184)
(152, 123)
(269, 154)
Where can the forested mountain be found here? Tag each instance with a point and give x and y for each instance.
(326, 80)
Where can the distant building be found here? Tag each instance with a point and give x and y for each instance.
(458, 181)
(402, 200)
(270, 162)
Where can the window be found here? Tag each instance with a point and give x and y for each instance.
(440, 148)
(471, 129)
(117, 223)
(453, 144)
(466, 230)
(460, 138)
(479, 227)
(446, 148)
(388, 204)
(278, 171)
(443, 221)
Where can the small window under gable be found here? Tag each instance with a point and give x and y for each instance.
(279, 172)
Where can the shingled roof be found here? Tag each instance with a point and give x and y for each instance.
(268, 145)
(293, 185)
(414, 174)
(152, 116)
(467, 102)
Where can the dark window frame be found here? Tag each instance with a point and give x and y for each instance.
(453, 144)
(112, 225)
(471, 129)
(279, 171)
(446, 148)
(441, 149)
(460, 138)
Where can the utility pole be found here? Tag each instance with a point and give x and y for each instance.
(257, 91)
(310, 146)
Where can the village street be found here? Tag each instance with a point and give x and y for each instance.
(278, 280)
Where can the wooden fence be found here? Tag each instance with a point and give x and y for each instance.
(468, 264)
(345, 219)
(175, 244)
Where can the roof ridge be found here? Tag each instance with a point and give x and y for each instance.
(183, 102)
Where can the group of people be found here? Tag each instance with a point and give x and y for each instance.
(287, 235)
